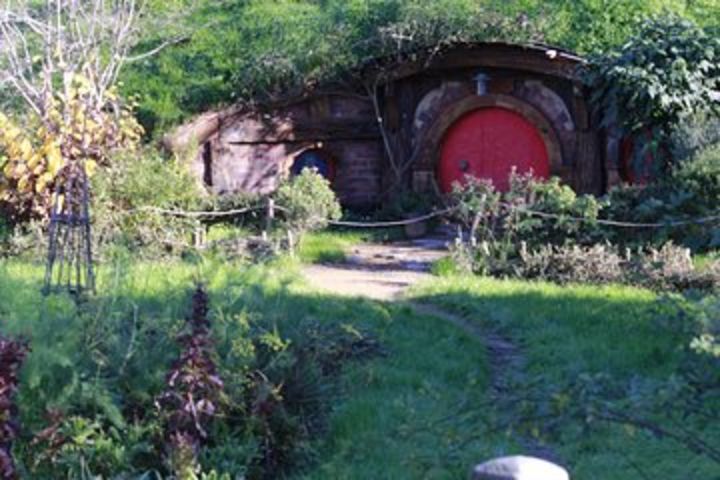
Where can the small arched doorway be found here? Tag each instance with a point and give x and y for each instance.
(488, 143)
(316, 159)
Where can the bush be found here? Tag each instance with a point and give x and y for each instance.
(691, 191)
(128, 197)
(669, 268)
(667, 72)
(506, 218)
(573, 264)
(308, 202)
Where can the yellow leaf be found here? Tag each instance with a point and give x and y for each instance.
(26, 149)
(55, 161)
(90, 167)
(23, 183)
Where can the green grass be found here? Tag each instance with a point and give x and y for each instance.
(568, 330)
(397, 420)
(332, 246)
(416, 411)
(327, 247)
(388, 419)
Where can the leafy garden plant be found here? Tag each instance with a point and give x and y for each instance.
(12, 355)
(667, 72)
(71, 128)
(308, 202)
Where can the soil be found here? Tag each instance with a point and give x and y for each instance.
(378, 271)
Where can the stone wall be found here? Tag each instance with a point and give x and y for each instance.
(253, 151)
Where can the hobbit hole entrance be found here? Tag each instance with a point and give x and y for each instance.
(316, 159)
(488, 143)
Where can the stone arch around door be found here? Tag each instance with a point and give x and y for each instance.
(430, 154)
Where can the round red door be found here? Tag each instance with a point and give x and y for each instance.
(488, 143)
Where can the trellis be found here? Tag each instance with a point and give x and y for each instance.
(69, 263)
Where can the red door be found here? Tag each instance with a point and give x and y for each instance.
(488, 143)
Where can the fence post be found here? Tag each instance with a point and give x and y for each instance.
(269, 217)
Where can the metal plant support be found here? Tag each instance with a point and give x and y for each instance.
(70, 264)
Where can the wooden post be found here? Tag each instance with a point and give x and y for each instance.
(269, 217)
(291, 243)
(200, 237)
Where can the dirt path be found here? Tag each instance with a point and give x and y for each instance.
(385, 272)
(378, 271)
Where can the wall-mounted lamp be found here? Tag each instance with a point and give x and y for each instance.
(481, 80)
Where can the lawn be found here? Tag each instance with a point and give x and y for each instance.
(567, 331)
(381, 423)
(415, 410)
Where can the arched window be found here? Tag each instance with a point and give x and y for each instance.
(317, 159)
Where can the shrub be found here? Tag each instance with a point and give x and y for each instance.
(669, 268)
(12, 355)
(691, 191)
(533, 211)
(505, 218)
(127, 196)
(668, 71)
(308, 202)
(573, 264)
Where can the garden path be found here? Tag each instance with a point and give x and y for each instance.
(378, 271)
(386, 271)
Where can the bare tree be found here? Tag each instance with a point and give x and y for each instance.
(46, 45)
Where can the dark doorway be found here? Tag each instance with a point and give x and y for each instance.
(316, 159)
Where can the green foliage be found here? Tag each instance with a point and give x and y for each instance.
(89, 388)
(258, 50)
(127, 196)
(690, 192)
(506, 218)
(264, 50)
(308, 202)
(693, 135)
(667, 72)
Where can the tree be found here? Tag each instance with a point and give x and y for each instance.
(62, 58)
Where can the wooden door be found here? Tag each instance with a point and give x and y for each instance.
(488, 143)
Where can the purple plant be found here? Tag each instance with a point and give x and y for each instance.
(194, 389)
(12, 355)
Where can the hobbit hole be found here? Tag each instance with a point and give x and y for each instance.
(431, 119)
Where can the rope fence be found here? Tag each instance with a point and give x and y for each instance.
(270, 209)
(617, 223)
